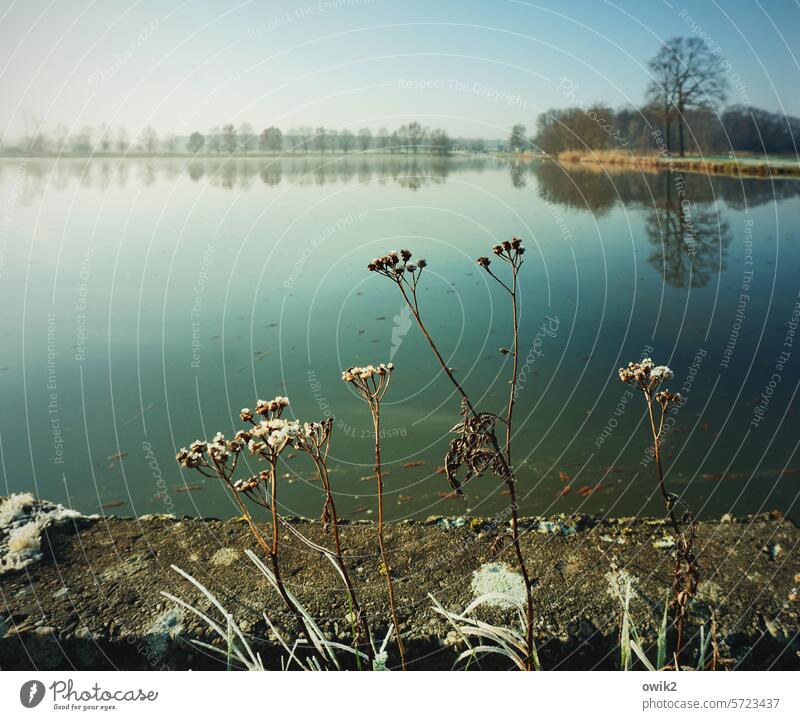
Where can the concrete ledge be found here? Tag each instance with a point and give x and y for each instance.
(93, 599)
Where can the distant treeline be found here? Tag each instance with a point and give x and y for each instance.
(737, 128)
(410, 139)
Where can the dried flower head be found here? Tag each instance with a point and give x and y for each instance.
(645, 375)
(396, 266)
(371, 381)
(668, 399)
(366, 372)
(509, 251)
(271, 408)
(248, 484)
(191, 458)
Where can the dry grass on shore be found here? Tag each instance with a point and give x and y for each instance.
(710, 166)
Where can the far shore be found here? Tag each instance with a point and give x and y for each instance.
(711, 165)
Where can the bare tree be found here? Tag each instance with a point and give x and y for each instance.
(346, 140)
(271, 140)
(246, 137)
(320, 139)
(149, 140)
(123, 142)
(687, 75)
(214, 142)
(106, 142)
(416, 134)
(517, 141)
(171, 143)
(383, 139)
(229, 138)
(196, 142)
(364, 139)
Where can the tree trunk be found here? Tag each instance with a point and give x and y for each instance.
(668, 132)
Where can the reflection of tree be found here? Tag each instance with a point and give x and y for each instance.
(517, 172)
(582, 189)
(591, 188)
(196, 170)
(690, 238)
(272, 174)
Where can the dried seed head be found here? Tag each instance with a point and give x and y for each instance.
(484, 262)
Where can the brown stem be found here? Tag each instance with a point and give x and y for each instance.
(657, 457)
(513, 393)
(669, 506)
(415, 311)
(375, 408)
(273, 556)
(361, 618)
(508, 475)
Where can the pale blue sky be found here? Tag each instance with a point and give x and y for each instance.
(482, 66)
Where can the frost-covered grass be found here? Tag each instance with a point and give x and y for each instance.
(239, 652)
(22, 520)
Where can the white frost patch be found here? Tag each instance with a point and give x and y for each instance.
(499, 578)
(22, 520)
(224, 556)
(166, 626)
(618, 582)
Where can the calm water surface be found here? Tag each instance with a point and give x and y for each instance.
(146, 302)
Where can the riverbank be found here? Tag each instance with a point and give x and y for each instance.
(737, 167)
(92, 599)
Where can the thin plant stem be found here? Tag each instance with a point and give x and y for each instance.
(272, 553)
(355, 608)
(508, 475)
(657, 458)
(376, 422)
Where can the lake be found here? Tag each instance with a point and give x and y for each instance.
(147, 301)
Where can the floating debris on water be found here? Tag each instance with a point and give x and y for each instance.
(188, 488)
(112, 504)
(586, 490)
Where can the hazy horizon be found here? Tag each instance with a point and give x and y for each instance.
(474, 69)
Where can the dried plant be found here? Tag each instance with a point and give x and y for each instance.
(266, 439)
(492, 639)
(476, 448)
(686, 575)
(371, 383)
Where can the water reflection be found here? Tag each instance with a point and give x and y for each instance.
(580, 187)
(690, 237)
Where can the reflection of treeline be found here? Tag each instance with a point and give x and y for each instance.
(599, 191)
(738, 128)
(408, 171)
(683, 220)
